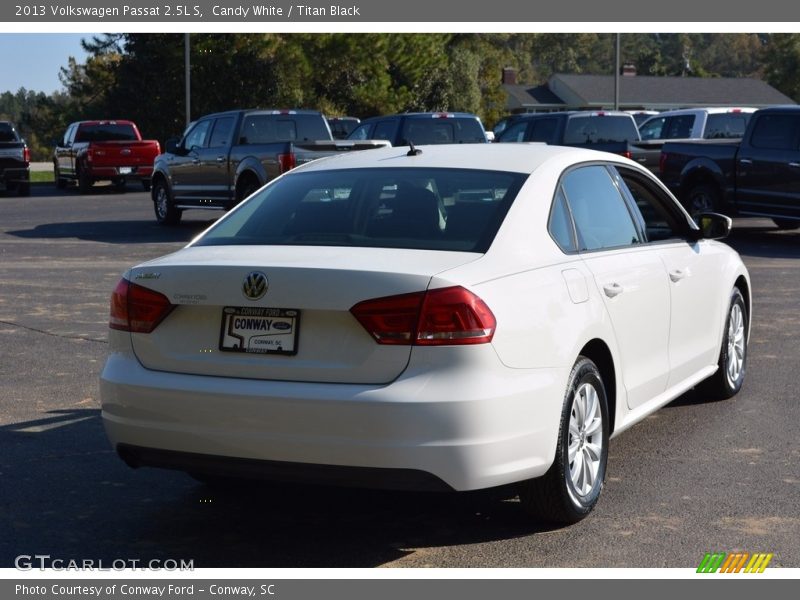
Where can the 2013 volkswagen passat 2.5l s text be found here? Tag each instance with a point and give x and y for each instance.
(443, 317)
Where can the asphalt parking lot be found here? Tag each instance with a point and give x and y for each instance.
(695, 477)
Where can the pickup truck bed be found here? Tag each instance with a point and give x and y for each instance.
(759, 176)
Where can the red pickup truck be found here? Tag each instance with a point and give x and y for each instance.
(104, 151)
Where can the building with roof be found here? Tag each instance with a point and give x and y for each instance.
(595, 92)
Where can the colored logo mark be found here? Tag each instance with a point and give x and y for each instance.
(737, 562)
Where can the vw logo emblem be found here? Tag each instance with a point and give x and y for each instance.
(255, 285)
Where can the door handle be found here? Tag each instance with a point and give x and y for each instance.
(677, 275)
(612, 289)
(745, 161)
(220, 159)
(195, 161)
(794, 165)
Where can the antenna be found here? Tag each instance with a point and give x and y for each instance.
(413, 151)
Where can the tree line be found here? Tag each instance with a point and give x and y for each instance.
(141, 76)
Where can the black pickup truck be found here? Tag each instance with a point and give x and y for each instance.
(15, 161)
(224, 157)
(607, 131)
(759, 176)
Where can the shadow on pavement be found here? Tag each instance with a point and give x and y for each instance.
(760, 238)
(116, 232)
(65, 493)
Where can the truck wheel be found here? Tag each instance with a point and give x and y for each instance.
(246, 187)
(61, 183)
(702, 198)
(120, 185)
(786, 224)
(166, 212)
(84, 182)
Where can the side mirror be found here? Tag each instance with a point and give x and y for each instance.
(171, 145)
(713, 226)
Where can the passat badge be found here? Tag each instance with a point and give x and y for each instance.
(255, 285)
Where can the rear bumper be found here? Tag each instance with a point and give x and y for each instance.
(12, 176)
(136, 172)
(449, 422)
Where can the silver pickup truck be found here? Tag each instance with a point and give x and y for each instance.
(224, 157)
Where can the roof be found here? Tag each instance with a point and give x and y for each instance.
(516, 158)
(645, 91)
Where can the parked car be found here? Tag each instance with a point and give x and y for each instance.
(15, 161)
(422, 129)
(609, 131)
(454, 318)
(341, 127)
(92, 151)
(757, 176)
(224, 157)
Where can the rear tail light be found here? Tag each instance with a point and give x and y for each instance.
(627, 154)
(26, 155)
(441, 317)
(287, 161)
(137, 309)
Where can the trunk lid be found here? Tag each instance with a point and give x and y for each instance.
(316, 285)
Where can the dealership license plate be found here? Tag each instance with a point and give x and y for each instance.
(125, 170)
(259, 330)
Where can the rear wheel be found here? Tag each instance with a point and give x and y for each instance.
(702, 198)
(84, 182)
(787, 224)
(246, 186)
(728, 379)
(571, 487)
(120, 185)
(166, 212)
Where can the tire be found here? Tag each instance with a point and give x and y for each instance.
(786, 224)
(702, 198)
(61, 183)
(728, 379)
(120, 185)
(245, 188)
(84, 182)
(166, 213)
(568, 491)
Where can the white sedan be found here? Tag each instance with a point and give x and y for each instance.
(439, 318)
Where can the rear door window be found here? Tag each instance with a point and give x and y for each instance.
(385, 130)
(678, 127)
(544, 130)
(776, 132)
(221, 135)
(601, 216)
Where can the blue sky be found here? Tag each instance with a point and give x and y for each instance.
(32, 60)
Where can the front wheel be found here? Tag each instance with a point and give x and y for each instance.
(728, 379)
(571, 487)
(166, 212)
(61, 183)
(84, 182)
(702, 198)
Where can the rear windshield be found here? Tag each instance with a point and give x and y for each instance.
(7, 133)
(429, 209)
(600, 130)
(439, 130)
(109, 132)
(266, 128)
(724, 126)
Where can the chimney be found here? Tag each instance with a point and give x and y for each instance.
(509, 76)
(629, 70)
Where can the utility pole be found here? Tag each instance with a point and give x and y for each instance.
(616, 75)
(186, 67)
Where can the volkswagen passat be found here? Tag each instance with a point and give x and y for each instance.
(446, 317)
